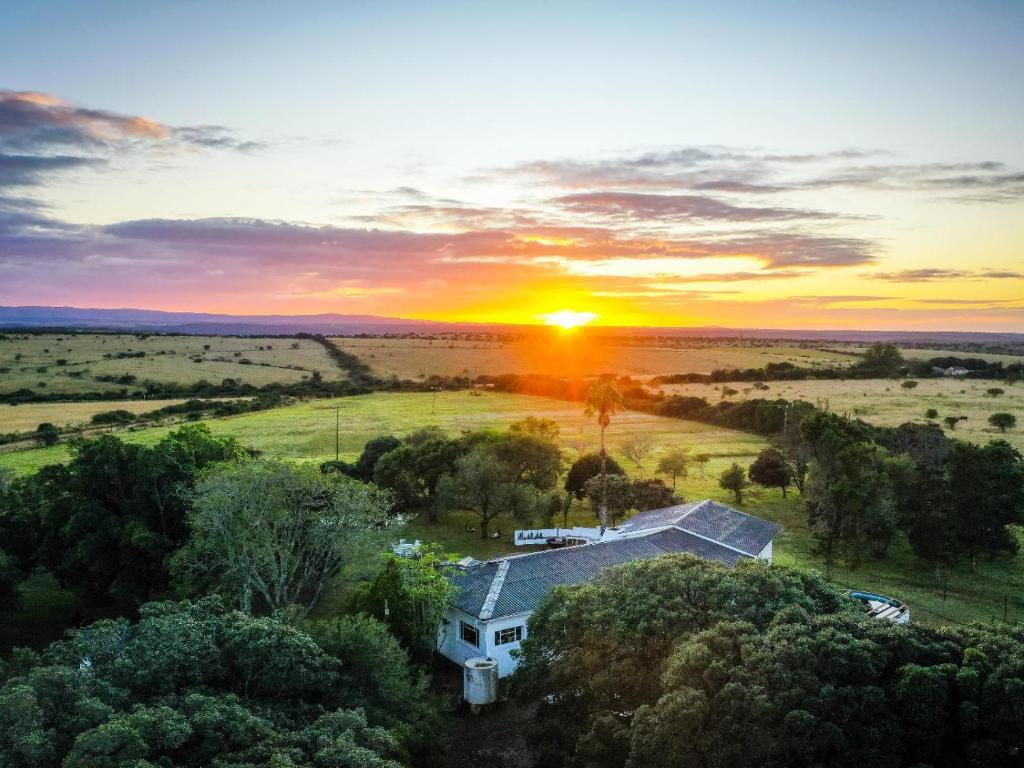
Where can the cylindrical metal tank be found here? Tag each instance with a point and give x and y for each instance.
(480, 681)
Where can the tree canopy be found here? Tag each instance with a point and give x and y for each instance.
(195, 684)
(106, 522)
(271, 534)
(683, 663)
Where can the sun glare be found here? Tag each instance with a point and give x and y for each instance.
(567, 318)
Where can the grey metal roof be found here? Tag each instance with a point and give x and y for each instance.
(712, 520)
(530, 577)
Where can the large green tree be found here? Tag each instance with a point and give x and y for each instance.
(272, 534)
(849, 498)
(193, 684)
(683, 663)
(106, 522)
(410, 595)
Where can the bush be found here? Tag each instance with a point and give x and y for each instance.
(47, 433)
(113, 417)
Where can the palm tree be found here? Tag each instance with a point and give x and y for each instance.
(603, 399)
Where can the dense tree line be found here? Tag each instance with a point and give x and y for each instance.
(680, 662)
(196, 684)
(106, 523)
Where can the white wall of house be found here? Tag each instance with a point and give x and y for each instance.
(766, 553)
(452, 645)
(503, 652)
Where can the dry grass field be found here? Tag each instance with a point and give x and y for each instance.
(571, 355)
(71, 363)
(886, 403)
(23, 418)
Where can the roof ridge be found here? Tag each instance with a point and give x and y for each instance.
(696, 505)
(713, 541)
(495, 591)
(635, 535)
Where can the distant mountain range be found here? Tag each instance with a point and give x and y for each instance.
(36, 318)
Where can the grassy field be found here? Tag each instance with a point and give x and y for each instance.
(67, 364)
(886, 403)
(570, 355)
(306, 432)
(26, 417)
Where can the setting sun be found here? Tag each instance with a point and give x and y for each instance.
(567, 318)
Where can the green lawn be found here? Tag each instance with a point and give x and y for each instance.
(306, 432)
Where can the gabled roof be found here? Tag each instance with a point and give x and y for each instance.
(711, 520)
(516, 584)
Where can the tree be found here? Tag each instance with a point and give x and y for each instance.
(680, 662)
(196, 684)
(793, 445)
(412, 471)
(47, 434)
(106, 523)
(734, 479)
(931, 413)
(533, 459)
(701, 459)
(372, 452)
(410, 595)
(9, 578)
(486, 486)
(952, 421)
(988, 485)
(995, 391)
(771, 470)
(1003, 421)
(849, 497)
(652, 494)
(636, 448)
(675, 463)
(908, 384)
(602, 401)
(615, 491)
(879, 360)
(586, 467)
(274, 534)
(542, 427)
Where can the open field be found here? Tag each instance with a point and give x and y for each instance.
(886, 403)
(306, 432)
(26, 417)
(571, 354)
(71, 363)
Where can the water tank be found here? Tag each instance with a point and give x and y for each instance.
(480, 681)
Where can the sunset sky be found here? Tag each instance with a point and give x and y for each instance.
(769, 164)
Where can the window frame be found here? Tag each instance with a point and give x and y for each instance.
(463, 626)
(517, 635)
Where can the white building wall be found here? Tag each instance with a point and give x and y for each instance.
(766, 553)
(453, 647)
(450, 643)
(503, 653)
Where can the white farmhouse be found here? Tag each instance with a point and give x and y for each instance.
(496, 598)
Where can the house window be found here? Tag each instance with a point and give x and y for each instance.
(509, 635)
(469, 634)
